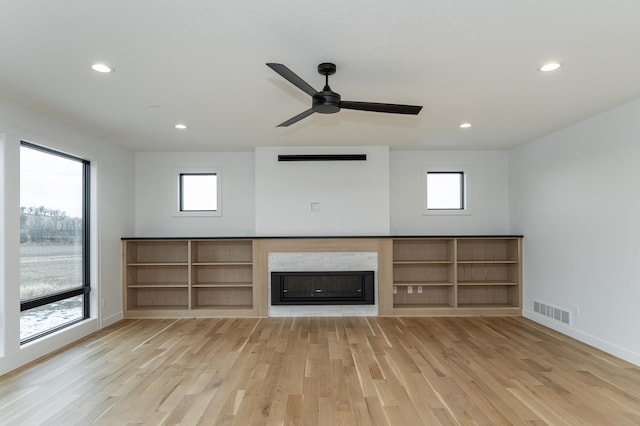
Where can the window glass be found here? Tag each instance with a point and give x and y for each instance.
(445, 190)
(198, 192)
(51, 316)
(53, 240)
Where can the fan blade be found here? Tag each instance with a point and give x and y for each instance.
(376, 107)
(293, 78)
(296, 118)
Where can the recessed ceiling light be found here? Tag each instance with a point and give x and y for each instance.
(180, 126)
(465, 125)
(551, 66)
(103, 68)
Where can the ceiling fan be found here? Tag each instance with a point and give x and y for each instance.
(327, 101)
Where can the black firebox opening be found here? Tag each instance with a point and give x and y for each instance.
(323, 288)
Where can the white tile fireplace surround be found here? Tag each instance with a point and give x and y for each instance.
(323, 261)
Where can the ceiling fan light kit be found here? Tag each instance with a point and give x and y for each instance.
(327, 101)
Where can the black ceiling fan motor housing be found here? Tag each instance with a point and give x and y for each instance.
(326, 102)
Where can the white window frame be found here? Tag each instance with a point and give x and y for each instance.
(199, 213)
(465, 211)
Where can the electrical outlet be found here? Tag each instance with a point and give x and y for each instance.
(419, 289)
(395, 290)
(410, 290)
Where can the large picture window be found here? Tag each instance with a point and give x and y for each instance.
(54, 258)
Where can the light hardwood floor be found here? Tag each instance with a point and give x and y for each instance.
(324, 371)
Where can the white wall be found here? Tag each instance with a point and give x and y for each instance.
(264, 197)
(112, 218)
(353, 196)
(574, 195)
(156, 194)
(487, 193)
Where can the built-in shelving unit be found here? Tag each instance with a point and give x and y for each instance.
(488, 272)
(421, 275)
(188, 277)
(157, 275)
(455, 276)
(221, 274)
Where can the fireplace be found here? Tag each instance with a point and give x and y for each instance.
(323, 262)
(323, 288)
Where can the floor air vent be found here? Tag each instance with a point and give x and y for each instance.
(552, 312)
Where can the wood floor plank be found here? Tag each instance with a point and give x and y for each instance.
(324, 371)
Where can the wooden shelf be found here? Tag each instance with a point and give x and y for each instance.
(488, 295)
(219, 285)
(416, 249)
(180, 276)
(431, 295)
(221, 251)
(423, 283)
(411, 306)
(221, 297)
(157, 297)
(164, 307)
(488, 249)
(158, 285)
(485, 305)
(157, 251)
(226, 307)
(460, 275)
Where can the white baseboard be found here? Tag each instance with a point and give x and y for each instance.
(112, 319)
(583, 337)
(38, 348)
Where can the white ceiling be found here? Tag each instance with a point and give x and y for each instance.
(202, 62)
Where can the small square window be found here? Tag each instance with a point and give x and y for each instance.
(445, 191)
(198, 192)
